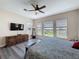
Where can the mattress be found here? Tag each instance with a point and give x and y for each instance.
(53, 48)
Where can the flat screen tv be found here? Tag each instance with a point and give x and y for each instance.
(15, 26)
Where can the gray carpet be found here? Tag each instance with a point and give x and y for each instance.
(15, 52)
(8, 53)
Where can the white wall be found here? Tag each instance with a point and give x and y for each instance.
(78, 23)
(72, 17)
(8, 17)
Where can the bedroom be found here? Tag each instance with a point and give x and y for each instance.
(59, 21)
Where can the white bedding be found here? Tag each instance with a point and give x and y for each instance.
(53, 48)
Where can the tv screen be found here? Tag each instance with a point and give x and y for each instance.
(14, 26)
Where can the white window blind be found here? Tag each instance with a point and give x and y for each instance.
(39, 29)
(61, 28)
(48, 28)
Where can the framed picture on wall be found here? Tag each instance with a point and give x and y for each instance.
(15, 26)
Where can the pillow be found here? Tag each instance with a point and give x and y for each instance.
(76, 45)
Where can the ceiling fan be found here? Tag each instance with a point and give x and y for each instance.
(36, 8)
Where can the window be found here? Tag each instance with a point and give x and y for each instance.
(39, 29)
(56, 28)
(48, 29)
(61, 28)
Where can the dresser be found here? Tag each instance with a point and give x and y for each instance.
(13, 40)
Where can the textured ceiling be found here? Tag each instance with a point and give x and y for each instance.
(53, 6)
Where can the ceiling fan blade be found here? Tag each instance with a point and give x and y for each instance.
(42, 7)
(41, 11)
(33, 5)
(36, 6)
(28, 10)
(25, 9)
(31, 10)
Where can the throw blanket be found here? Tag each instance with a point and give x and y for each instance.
(53, 48)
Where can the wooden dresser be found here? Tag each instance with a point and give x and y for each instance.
(13, 40)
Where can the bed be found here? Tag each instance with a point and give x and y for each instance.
(53, 48)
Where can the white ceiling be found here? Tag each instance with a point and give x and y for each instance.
(52, 6)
